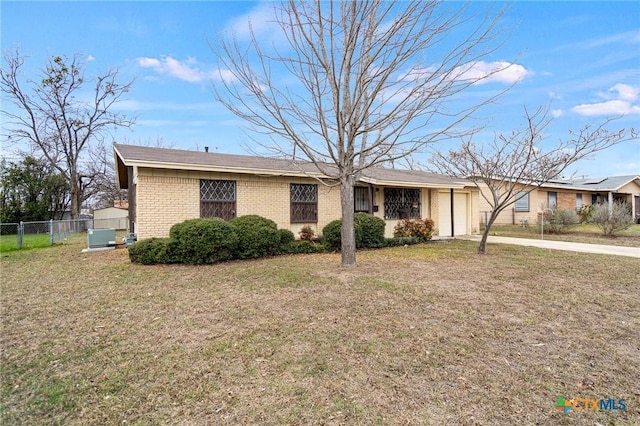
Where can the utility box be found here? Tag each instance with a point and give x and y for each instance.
(99, 238)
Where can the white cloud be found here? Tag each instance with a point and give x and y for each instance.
(260, 21)
(90, 58)
(614, 107)
(619, 100)
(182, 70)
(489, 72)
(188, 70)
(626, 92)
(557, 113)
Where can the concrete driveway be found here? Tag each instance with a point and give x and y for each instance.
(560, 245)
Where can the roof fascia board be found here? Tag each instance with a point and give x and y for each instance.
(572, 187)
(380, 182)
(224, 169)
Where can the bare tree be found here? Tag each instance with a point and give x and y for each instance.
(368, 82)
(56, 116)
(516, 164)
(101, 189)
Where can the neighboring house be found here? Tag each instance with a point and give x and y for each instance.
(111, 217)
(566, 194)
(168, 186)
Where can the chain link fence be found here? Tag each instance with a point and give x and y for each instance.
(47, 233)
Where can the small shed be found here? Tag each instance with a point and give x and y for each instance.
(111, 217)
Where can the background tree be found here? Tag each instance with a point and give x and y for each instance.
(31, 191)
(56, 116)
(367, 82)
(103, 190)
(517, 163)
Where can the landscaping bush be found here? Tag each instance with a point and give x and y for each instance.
(307, 233)
(303, 246)
(198, 241)
(559, 220)
(418, 228)
(586, 213)
(332, 234)
(285, 237)
(369, 231)
(150, 251)
(368, 228)
(616, 220)
(257, 236)
(401, 241)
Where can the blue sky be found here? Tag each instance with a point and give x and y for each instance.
(583, 57)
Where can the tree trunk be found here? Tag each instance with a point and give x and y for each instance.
(482, 248)
(348, 234)
(75, 196)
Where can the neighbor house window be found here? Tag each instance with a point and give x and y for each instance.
(361, 199)
(218, 198)
(578, 201)
(304, 203)
(401, 203)
(552, 199)
(522, 202)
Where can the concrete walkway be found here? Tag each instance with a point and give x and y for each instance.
(560, 245)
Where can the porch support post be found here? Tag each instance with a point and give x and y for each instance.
(452, 220)
(371, 193)
(610, 202)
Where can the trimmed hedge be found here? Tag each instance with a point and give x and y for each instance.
(331, 234)
(258, 236)
(303, 246)
(285, 236)
(207, 240)
(211, 240)
(401, 241)
(150, 251)
(368, 228)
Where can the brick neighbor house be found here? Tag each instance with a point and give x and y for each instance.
(168, 186)
(567, 194)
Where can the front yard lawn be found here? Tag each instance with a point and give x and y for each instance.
(426, 334)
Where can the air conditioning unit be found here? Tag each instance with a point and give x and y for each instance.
(101, 238)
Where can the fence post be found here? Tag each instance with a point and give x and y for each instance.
(20, 234)
(51, 230)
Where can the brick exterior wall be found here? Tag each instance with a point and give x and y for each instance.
(566, 200)
(167, 197)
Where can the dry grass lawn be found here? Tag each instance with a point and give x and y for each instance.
(432, 334)
(588, 233)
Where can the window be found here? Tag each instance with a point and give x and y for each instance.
(552, 199)
(304, 203)
(522, 202)
(401, 203)
(578, 201)
(218, 198)
(361, 199)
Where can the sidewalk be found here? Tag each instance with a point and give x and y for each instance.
(560, 245)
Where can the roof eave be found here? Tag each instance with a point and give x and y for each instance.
(384, 182)
(224, 169)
